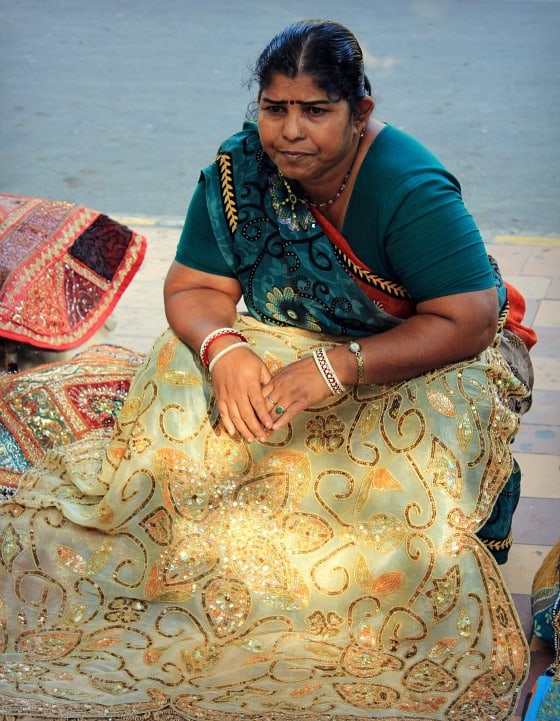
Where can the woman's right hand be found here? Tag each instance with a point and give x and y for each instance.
(196, 304)
(238, 378)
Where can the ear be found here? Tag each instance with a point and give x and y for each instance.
(364, 108)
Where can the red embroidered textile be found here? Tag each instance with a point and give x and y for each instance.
(515, 317)
(63, 268)
(58, 403)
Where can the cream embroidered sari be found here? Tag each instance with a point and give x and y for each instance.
(331, 573)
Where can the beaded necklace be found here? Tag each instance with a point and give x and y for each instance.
(293, 199)
(335, 197)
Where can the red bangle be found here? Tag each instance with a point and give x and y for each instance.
(211, 337)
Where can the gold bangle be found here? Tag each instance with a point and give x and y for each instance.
(354, 347)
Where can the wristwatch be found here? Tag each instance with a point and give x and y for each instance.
(354, 347)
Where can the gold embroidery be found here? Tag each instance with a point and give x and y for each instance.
(221, 580)
(445, 592)
(368, 276)
(79, 565)
(224, 161)
(10, 546)
(446, 469)
(427, 676)
(441, 402)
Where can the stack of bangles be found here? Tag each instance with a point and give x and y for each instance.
(211, 337)
(327, 371)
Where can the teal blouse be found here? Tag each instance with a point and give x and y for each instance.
(406, 221)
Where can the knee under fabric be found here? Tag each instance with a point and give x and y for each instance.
(496, 533)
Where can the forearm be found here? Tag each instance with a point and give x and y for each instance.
(193, 314)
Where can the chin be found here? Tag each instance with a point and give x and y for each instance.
(293, 171)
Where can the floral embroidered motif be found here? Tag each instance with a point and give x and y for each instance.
(125, 610)
(289, 308)
(325, 434)
(290, 209)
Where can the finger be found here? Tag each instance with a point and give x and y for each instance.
(233, 421)
(278, 410)
(261, 405)
(267, 390)
(285, 411)
(226, 420)
(246, 422)
(263, 408)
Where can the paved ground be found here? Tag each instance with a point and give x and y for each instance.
(117, 104)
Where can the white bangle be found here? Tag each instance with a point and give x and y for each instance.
(211, 337)
(223, 352)
(327, 371)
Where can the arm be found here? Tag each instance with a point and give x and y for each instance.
(445, 330)
(197, 303)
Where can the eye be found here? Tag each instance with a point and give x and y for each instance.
(274, 109)
(316, 110)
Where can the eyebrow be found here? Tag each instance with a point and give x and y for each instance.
(297, 102)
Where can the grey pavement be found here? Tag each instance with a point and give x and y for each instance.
(117, 104)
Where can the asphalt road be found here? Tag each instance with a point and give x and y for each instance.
(117, 104)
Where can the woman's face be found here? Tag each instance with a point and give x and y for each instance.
(309, 138)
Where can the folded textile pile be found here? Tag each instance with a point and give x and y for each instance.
(58, 403)
(63, 268)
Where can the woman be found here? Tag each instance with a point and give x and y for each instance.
(284, 522)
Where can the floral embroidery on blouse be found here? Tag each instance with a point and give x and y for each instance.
(288, 307)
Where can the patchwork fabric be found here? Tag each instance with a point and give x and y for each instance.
(63, 268)
(59, 403)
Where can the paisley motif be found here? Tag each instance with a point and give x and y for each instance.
(227, 604)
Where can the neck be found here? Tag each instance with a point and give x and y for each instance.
(329, 201)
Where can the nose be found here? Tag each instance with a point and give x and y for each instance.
(292, 128)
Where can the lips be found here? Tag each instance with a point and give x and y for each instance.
(293, 155)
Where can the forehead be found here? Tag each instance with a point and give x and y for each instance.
(302, 87)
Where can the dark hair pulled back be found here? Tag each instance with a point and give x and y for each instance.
(322, 49)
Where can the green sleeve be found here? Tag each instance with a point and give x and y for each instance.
(197, 247)
(407, 221)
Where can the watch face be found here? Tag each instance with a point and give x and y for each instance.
(353, 346)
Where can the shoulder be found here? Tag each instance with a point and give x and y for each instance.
(396, 165)
(393, 144)
(241, 152)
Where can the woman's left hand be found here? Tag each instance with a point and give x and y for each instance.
(295, 388)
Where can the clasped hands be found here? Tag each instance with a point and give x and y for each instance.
(254, 403)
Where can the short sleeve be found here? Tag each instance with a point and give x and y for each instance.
(407, 221)
(197, 247)
(434, 245)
